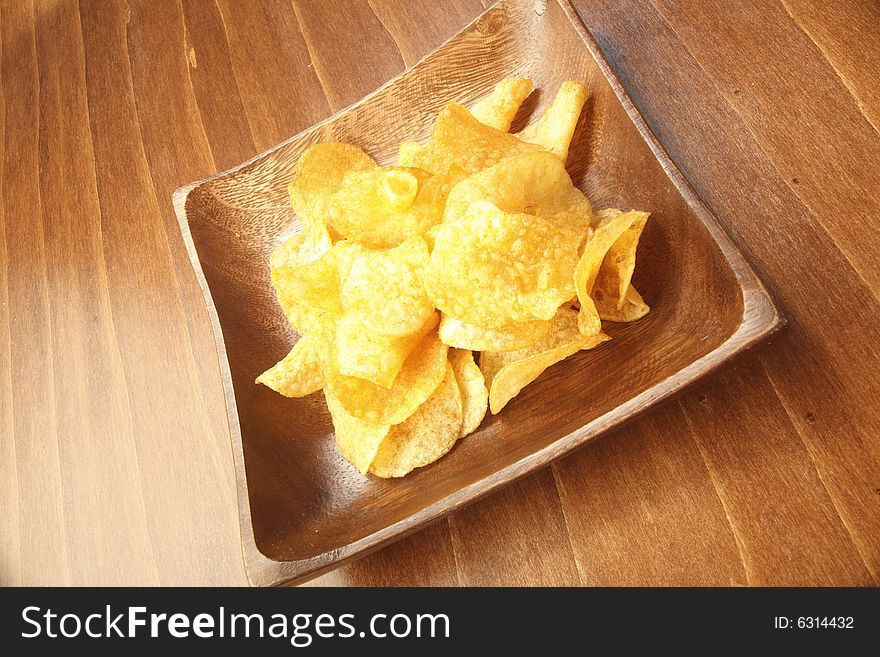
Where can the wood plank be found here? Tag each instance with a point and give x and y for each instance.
(10, 557)
(100, 477)
(423, 559)
(515, 537)
(774, 495)
(816, 161)
(826, 375)
(214, 86)
(352, 66)
(177, 152)
(279, 88)
(173, 438)
(41, 533)
(846, 34)
(643, 510)
(418, 28)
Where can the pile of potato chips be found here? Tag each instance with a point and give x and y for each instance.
(476, 241)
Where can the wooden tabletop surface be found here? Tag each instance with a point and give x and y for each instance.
(115, 465)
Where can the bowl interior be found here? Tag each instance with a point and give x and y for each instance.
(305, 500)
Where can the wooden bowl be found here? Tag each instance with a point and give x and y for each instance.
(303, 509)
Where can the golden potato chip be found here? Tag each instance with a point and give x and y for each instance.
(509, 372)
(309, 293)
(368, 355)
(491, 268)
(632, 308)
(299, 373)
(426, 435)
(412, 154)
(509, 337)
(358, 441)
(408, 154)
(398, 187)
(319, 173)
(384, 206)
(386, 290)
(610, 227)
(555, 128)
(420, 375)
(475, 241)
(499, 108)
(461, 140)
(613, 281)
(474, 395)
(430, 236)
(531, 183)
(303, 247)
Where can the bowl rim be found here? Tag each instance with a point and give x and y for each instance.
(760, 320)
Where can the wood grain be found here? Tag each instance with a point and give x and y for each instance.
(165, 400)
(488, 537)
(846, 35)
(417, 27)
(757, 498)
(369, 47)
(428, 554)
(111, 441)
(34, 437)
(825, 378)
(219, 104)
(275, 78)
(94, 411)
(817, 165)
(642, 507)
(10, 559)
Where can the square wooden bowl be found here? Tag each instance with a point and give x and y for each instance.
(303, 509)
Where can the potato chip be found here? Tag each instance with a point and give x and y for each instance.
(490, 268)
(589, 322)
(309, 293)
(420, 375)
(555, 128)
(426, 435)
(474, 395)
(498, 109)
(611, 226)
(385, 288)
(509, 372)
(430, 236)
(613, 283)
(301, 248)
(398, 187)
(531, 183)
(358, 441)
(408, 154)
(632, 308)
(475, 241)
(319, 173)
(384, 206)
(373, 357)
(509, 337)
(299, 373)
(461, 140)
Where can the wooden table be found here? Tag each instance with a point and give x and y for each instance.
(115, 465)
